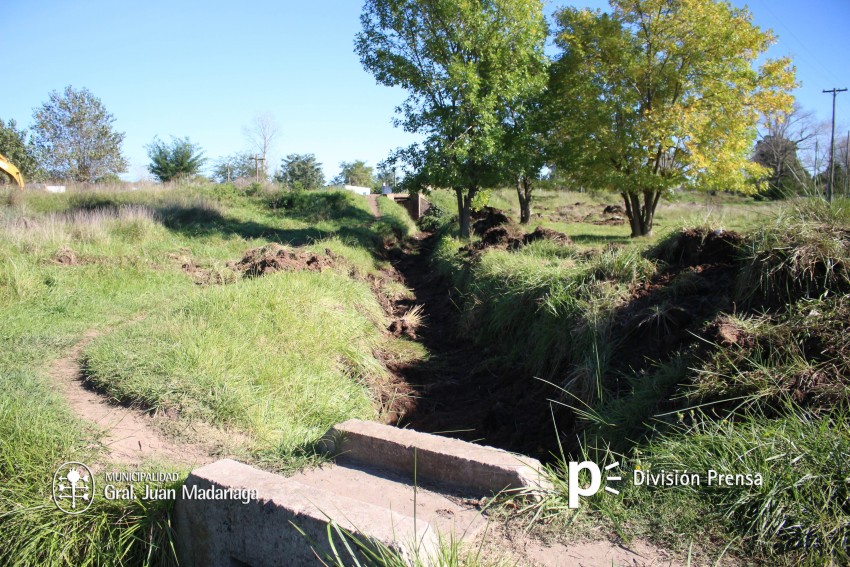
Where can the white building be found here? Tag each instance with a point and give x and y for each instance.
(357, 189)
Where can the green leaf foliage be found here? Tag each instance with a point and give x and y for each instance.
(75, 137)
(461, 62)
(661, 94)
(178, 159)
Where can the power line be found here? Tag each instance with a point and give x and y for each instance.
(802, 44)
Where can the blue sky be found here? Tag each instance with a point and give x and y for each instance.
(204, 69)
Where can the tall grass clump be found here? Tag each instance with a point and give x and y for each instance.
(37, 434)
(800, 514)
(804, 253)
(546, 311)
(284, 356)
(397, 217)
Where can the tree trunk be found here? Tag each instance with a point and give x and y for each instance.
(641, 215)
(464, 208)
(523, 191)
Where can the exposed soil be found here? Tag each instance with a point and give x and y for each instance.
(273, 258)
(130, 436)
(65, 257)
(458, 391)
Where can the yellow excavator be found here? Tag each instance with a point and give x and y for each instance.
(14, 172)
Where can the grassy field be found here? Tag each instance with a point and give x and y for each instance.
(716, 343)
(719, 342)
(179, 332)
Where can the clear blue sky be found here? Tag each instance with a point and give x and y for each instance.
(204, 69)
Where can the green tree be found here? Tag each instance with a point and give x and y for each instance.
(75, 137)
(178, 159)
(662, 94)
(235, 166)
(356, 173)
(462, 63)
(301, 172)
(525, 149)
(784, 135)
(17, 149)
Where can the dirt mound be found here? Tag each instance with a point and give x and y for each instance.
(497, 236)
(273, 258)
(541, 233)
(488, 217)
(613, 210)
(697, 246)
(66, 257)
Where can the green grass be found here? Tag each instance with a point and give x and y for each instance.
(278, 359)
(774, 402)
(283, 357)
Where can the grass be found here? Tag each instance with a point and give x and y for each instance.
(278, 359)
(772, 401)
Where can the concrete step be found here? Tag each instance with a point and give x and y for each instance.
(262, 532)
(404, 489)
(474, 469)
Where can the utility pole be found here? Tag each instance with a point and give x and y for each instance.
(832, 146)
(257, 159)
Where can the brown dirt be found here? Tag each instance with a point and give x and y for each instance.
(130, 436)
(65, 257)
(488, 217)
(541, 233)
(693, 247)
(273, 258)
(519, 547)
(457, 390)
(373, 205)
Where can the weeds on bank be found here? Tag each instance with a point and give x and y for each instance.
(767, 394)
(75, 262)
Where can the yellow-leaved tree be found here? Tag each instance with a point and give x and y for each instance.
(659, 94)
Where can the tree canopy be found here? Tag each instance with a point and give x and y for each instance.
(233, 167)
(301, 172)
(461, 62)
(178, 159)
(75, 137)
(20, 151)
(356, 173)
(662, 94)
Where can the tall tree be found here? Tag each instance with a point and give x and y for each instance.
(661, 94)
(233, 167)
(17, 149)
(261, 134)
(75, 137)
(356, 173)
(525, 149)
(786, 136)
(462, 62)
(300, 172)
(176, 160)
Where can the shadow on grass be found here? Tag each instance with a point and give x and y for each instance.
(600, 239)
(198, 220)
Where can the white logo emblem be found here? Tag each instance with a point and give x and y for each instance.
(575, 490)
(73, 488)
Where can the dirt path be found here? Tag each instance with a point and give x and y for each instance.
(130, 436)
(373, 205)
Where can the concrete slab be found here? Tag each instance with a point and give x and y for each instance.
(474, 468)
(447, 514)
(261, 532)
